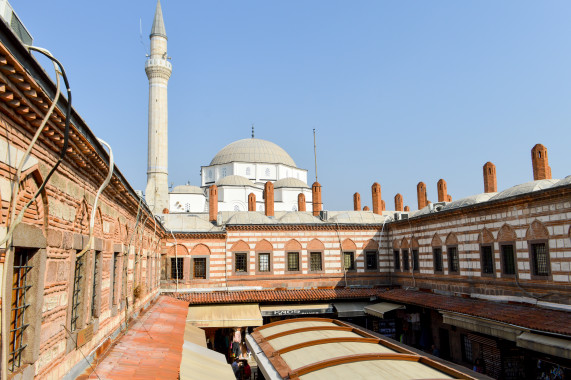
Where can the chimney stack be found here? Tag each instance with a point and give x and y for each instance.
(376, 190)
(213, 203)
(421, 195)
(356, 202)
(490, 180)
(252, 202)
(366, 208)
(540, 163)
(301, 202)
(406, 208)
(316, 198)
(269, 198)
(442, 191)
(398, 202)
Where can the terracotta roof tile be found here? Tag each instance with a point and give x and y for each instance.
(151, 348)
(290, 295)
(527, 316)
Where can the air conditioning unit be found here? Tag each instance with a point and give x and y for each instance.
(438, 206)
(401, 215)
(13, 21)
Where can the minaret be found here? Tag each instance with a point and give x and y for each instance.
(158, 70)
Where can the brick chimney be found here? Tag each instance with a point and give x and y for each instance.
(449, 198)
(366, 208)
(383, 205)
(398, 202)
(269, 198)
(316, 198)
(213, 203)
(490, 180)
(251, 202)
(356, 202)
(421, 195)
(301, 202)
(540, 163)
(406, 208)
(376, 190)
(442, 191)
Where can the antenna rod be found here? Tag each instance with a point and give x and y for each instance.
(252, 130)
(315, 154)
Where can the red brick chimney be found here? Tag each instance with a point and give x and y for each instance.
(383, 205)
(356, 202)
(251, 202)
(213, 203)
(316, 198)
(269, 198)
(490, 180)
(449, 198)
(406, 208)
(442, 191)
(540, 163)
(398, 202)
(376, 190)
(421, 195)
(366, 208)
(301, 202)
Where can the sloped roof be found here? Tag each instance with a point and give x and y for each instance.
(467, 201)
(250, 217)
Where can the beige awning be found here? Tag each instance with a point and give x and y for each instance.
(194, 334)
(350, 309)
(546, 344)
(379, 309)
(307, 309)
(235, 315)
(200, 363)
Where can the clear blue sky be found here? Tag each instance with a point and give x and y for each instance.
(399, 91)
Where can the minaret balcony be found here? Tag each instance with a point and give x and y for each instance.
(158, 62)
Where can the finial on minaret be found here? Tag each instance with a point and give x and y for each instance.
(158, 28)
(252, 130)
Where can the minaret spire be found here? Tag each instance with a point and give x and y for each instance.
(158, 28)
(158, 69)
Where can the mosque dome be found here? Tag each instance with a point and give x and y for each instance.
(187, 189)
(235, 180)
(290, 182)
(253, 150)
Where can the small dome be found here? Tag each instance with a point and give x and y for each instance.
(472, 199)
(564, 181)
(235, 180)
(527, 187)
(252, 150)
(299, 217)
(249, 217)
(187, 189)
(290, 182)
(187, 222)
(358, 217)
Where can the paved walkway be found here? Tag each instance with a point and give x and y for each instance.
(151, 349)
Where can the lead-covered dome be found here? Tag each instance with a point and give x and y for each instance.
(253, 150)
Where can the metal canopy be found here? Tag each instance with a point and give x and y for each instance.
(379, 309)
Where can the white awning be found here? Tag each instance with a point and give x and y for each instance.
(235, 315)
(308, 309)
(350, 309)
(379, 309)
(200, 363)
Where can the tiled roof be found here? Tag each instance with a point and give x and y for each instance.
(151, 348)
(530, 317)
(275, 295)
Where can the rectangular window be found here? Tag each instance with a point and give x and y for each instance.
(453, 259)
(467, 349)
(263, 262)
(487, 259)
(241, 263)
(77, 292)
(315, 261)
(293, 261)
(371, 258)
(540, 261)
(437, 252)
(177, 268)
(396, 258)
(349, 260)
(95, 288)
(405, 265)
(415, 262)
(508, 259)
(114, 277)
(21, 283)
(199, 267)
